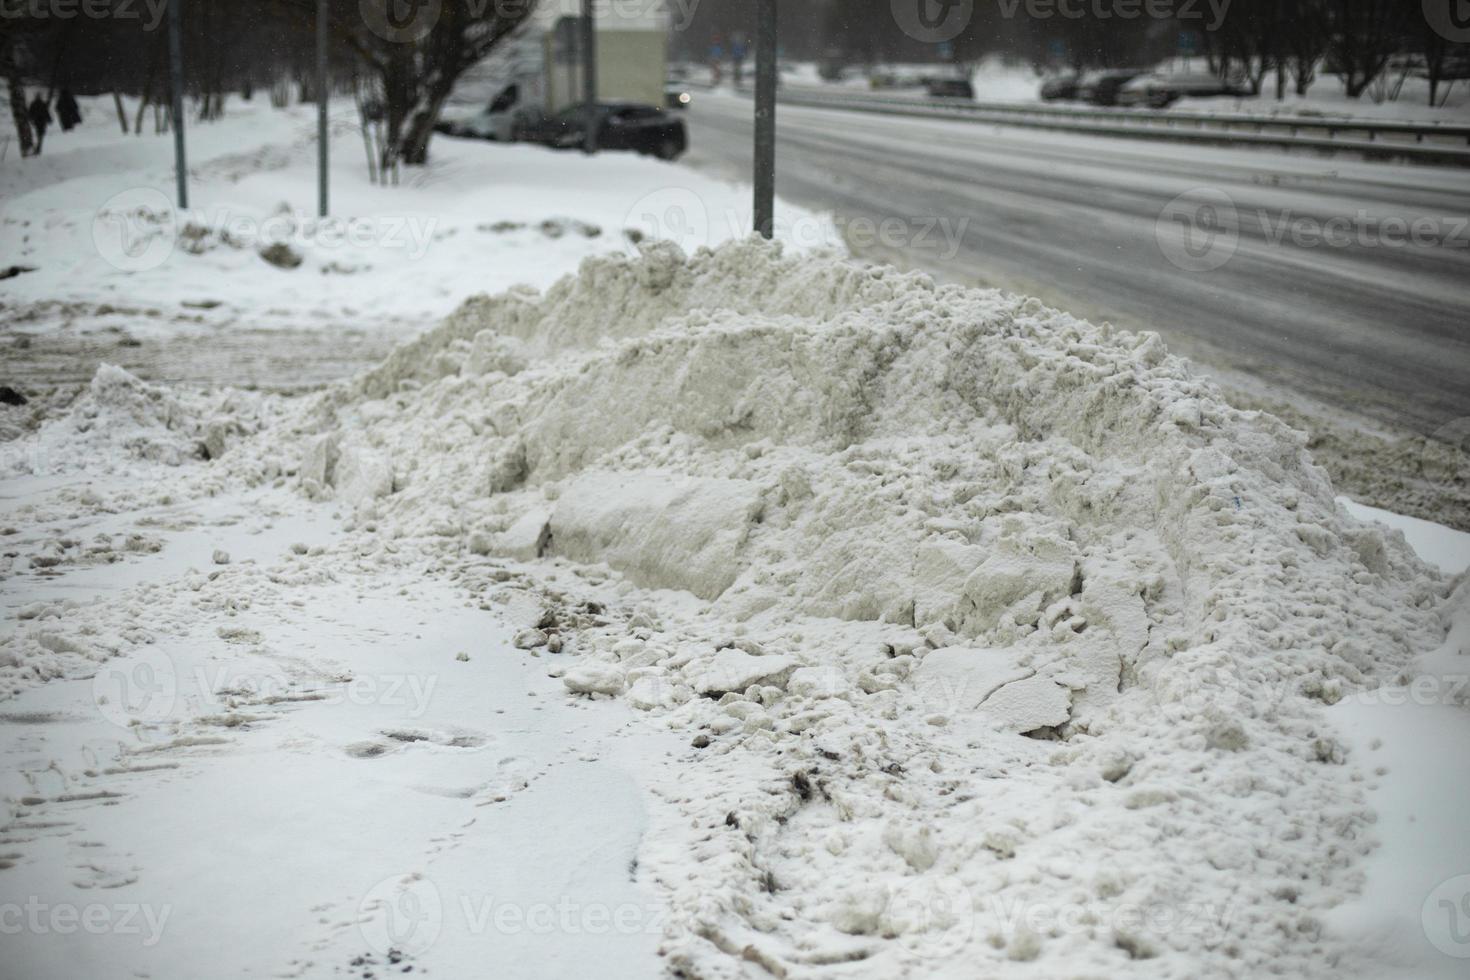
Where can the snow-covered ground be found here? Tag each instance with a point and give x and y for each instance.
(746, 614)
(114, 266)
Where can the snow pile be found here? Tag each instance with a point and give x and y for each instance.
(119, 420)
(1013, 637)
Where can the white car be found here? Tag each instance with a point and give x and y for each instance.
(497, 121)
(1159, 89)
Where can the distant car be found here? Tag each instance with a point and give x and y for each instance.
(949, 88)
(1102, 87)
(676, 96)
(620, 126)
(497, 121)
(1160, 89)
(832, 69)
(1059, 88)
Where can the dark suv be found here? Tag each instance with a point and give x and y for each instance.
(620, 126)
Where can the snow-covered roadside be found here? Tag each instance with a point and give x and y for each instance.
(1417, 882)
(997, 640)
(996, 81)
(118, 274)
(261, 753)
(993, 640)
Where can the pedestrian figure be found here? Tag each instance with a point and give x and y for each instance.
(40, 118)
(68, 113)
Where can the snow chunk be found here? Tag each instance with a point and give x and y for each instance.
(1029, 704)
(362, 476)
(736, 670)
(993, 683)
(594, 678)
(525, 540)
(662, 530)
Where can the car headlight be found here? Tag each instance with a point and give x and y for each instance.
(683, 98)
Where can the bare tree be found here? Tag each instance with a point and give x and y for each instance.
(1363, 35)
(416, 62)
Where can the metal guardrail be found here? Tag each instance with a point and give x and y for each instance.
(1420, 142)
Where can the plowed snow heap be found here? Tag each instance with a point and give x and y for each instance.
(1014, 636)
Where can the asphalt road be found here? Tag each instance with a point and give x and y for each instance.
(1342, 280)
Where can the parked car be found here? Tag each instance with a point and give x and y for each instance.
(949, 88)
(832, 68)
(1160, 89)
(1102, 87)
(497, 121)
(620, 126)
(1060, 87)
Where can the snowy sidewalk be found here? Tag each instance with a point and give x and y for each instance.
(312, 775)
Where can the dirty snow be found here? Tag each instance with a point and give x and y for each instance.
(747, 613)
(994, 639)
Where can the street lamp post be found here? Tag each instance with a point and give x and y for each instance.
(765, 118)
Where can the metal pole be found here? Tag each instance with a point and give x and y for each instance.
(321, 106)
(589, 76)
(176, 82)
(765, 118)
